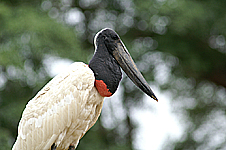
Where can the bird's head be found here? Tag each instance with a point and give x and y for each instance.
(110, 53)
(108, 37)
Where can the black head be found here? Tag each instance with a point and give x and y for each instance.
(110, 53)
(108, 37)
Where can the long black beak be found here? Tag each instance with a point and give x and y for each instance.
(126, 62)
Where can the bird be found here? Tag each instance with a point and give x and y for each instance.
(70, 104)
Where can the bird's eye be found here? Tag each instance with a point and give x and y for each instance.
(115, 37)
(104, 37)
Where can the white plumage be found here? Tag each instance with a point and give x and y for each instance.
(60, 116)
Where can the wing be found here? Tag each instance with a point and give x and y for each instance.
(57, 108)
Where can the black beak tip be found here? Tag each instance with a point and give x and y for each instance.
(154, 97)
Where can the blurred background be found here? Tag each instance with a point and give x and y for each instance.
(178, 45)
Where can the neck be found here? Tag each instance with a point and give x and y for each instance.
(106, 71)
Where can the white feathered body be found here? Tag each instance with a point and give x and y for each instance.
(61, 112)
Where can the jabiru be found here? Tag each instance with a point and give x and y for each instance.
(70, 104)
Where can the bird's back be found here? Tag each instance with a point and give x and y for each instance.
(61, 112)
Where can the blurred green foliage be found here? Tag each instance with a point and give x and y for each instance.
(186, 38)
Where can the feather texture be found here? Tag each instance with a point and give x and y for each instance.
(61, 112)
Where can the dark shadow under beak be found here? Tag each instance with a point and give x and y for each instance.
(126, 62)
